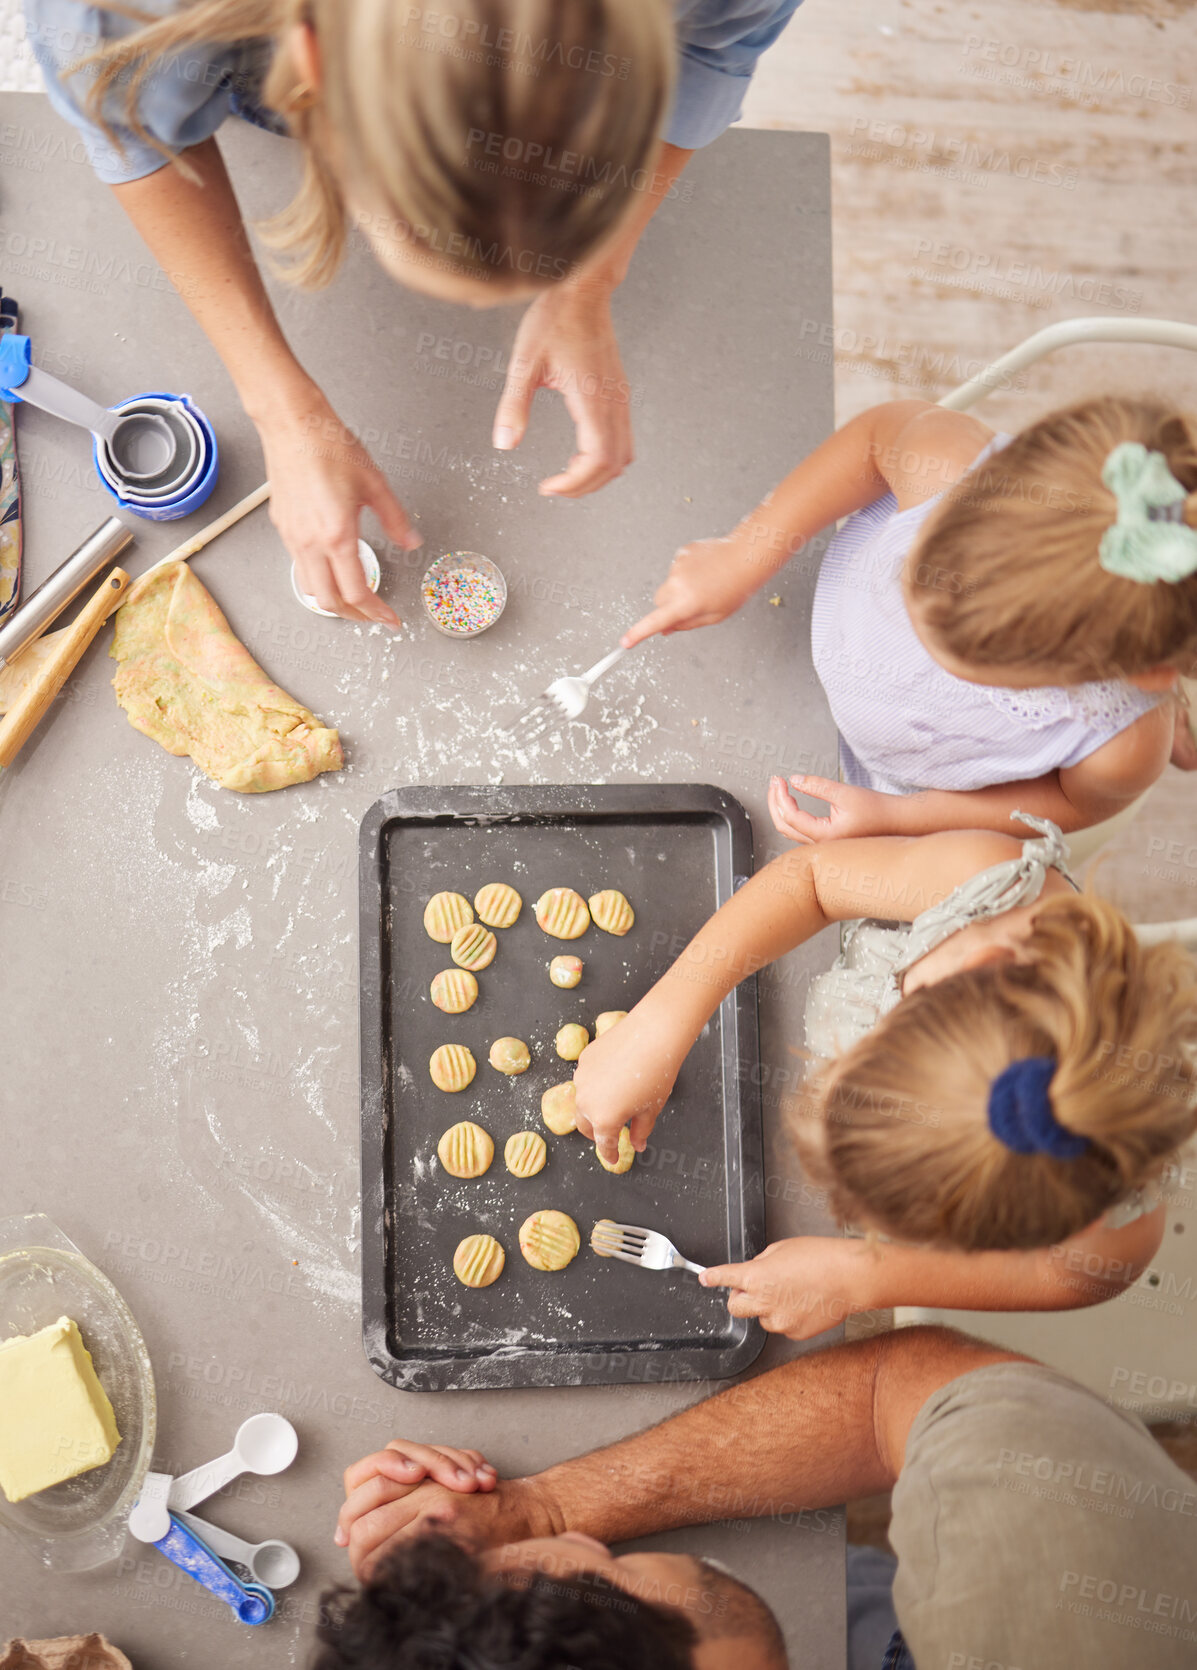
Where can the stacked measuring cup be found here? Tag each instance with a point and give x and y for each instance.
(154, 453)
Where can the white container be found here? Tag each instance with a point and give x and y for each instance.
(370, 568)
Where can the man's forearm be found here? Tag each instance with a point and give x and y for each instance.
(194, 229)
(829, 1427)
(800, 1436)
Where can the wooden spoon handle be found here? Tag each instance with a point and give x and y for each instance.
(22, 717)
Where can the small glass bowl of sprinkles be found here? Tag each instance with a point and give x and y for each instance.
(463, 594)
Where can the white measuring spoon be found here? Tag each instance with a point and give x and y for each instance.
(272, 1563)
(264, 1444)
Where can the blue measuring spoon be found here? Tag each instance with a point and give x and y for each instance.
(251, 1603)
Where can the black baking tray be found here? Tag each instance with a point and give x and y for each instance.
(677, 851)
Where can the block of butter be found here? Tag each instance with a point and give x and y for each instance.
(55, 1417)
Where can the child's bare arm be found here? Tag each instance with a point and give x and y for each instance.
(712, 578)
(1098, 788)
(804, 1286)
(625, 1077)
(1121, 769)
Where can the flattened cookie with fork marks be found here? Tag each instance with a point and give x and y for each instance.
(452, 1067)
(498, 904)
(478, 1261)
(444, 914)
(525, 1153)
(465, 1150)
(549, 1240)
(473, 946)
(611, 912)
(562, 913)
(453, 990)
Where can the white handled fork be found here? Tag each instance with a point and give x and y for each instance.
(565, 699)
(646, 1247)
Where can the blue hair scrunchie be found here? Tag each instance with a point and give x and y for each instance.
(1021, 1115)
(1150, 539)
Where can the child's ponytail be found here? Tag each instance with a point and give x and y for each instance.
(1012, 1104)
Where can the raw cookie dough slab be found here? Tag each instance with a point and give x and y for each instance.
(189, 683)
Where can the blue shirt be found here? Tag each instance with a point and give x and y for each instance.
(185, 100)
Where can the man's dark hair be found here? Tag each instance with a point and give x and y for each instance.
(432, 1606)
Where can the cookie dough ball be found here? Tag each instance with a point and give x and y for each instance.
(525, 1153)
(565, 972)
(465, 1150)
(559, 1109)
(608, 1019)
(478, 1261)
(498, 904)
(444, 914)
(571, 1041)
(510, 1056)
(453, 990)
(473, 946)
(549, 1240)
(452, 1067)
(626, 1155)
(612, 912)
(562, 913)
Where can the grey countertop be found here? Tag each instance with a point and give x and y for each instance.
(178, 985)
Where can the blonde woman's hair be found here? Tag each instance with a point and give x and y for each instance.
(503, 139)
(904, 1141)
(1005, 574)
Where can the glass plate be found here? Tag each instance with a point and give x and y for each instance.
(79, 1524)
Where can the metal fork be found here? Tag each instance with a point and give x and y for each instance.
(647, 1247)
(565, 699)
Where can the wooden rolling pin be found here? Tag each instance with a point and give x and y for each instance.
(21, 719)
(25, 666)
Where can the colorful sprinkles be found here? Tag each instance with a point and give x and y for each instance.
(461, 599)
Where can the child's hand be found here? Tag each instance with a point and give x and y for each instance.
(853, 811)
(707, 582)
(800, 1287)
(624, 1078)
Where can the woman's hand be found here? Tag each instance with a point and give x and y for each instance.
(801, 1287)
(708, 581)
(624, 1078)
(852, 811)
(321, 478)
(566, 341)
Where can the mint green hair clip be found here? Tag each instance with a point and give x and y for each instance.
(1150, 540)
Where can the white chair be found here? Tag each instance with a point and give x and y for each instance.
(1137, 1350)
